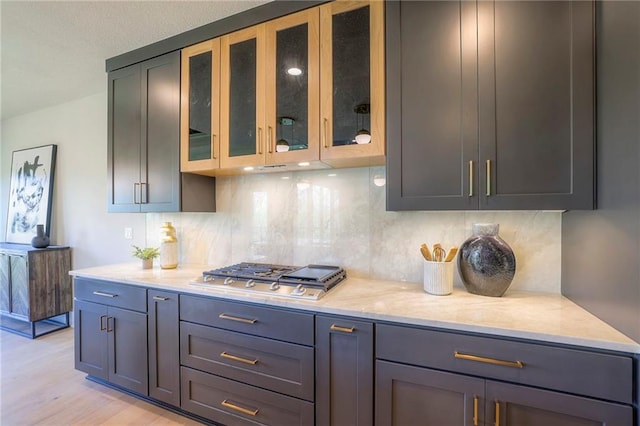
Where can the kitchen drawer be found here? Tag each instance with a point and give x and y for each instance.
(279, 366)
(586, 373)
(261, 321)
(232, 403)
(112, 294)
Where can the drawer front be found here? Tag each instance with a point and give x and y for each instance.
(112, 294)
(278, 324)
(232, 403)
(570, 370)
(282, 367)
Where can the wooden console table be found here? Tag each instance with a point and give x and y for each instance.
(35, 289)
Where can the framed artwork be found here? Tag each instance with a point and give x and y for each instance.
(30, 193)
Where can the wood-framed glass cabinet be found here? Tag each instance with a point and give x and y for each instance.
(200, 108)
(352, 83)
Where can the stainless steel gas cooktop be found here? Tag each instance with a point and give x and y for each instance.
(301, 282)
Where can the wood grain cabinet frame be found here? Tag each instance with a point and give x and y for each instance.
(353, 155)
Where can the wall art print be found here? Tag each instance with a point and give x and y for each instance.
(30, 193)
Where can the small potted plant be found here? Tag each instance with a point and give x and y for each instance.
(147, 255)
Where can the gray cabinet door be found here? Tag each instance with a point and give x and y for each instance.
(523, 406)
(408, 396)
(536, 104)
(144, 136)
(91, 351)
(344, 372)
(160, 134)
(164, 353)
(431, 106)
(127, 343)
(123, 135)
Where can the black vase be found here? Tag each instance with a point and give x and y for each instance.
(40, 240)
(486, 263)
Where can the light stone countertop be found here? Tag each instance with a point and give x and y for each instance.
(537, 316)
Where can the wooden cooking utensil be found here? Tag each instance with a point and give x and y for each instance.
(425, 252)
(452, 253)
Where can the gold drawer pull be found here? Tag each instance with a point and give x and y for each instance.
(515, 364)
(226, 355)
(497, 413)
(238, 319)
(336, 327)
(100, 293)
(163, 299)
(242, 410)
(475, 411)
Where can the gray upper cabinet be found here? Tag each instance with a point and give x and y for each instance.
(490, 105)
(144, 141)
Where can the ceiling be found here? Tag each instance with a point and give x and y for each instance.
(54, 51)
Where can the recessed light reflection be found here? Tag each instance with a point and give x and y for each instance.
(284, 177)
(294, 71)
(248, 169)
(332, 175)
(303, 164)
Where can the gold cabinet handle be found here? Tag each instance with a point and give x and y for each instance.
(227, 355)
(239, 409)
(270, 139)
(471, 178)
(238, 319)
(324, 132)
(475, 411)
(102, 318)
(103, 294)
(494, 361)
(213, 146)
(260, 140)
(488, 177)
(162, 299)
(497, 413)
(335, 327)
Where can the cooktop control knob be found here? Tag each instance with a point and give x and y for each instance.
(250, 283)
(274, 286)
(299, 290)
(228, 281)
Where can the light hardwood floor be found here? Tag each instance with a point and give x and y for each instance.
(39, 386)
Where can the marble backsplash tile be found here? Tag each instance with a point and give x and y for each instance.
(339, 217)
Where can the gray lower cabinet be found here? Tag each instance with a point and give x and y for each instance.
(490, 105)
(236, 363)
(111, 341)
(344, 372)
(246, 364)
(454, 379)
(164, 351)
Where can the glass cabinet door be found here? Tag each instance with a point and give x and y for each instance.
(243, 140)
(292, 88)
(200, 108)
(352, 83)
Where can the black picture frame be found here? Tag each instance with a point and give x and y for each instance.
(31, 192)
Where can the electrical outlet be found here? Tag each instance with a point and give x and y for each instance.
(128, 233)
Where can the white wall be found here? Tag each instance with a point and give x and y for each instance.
(79, 217)
(261, 217)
